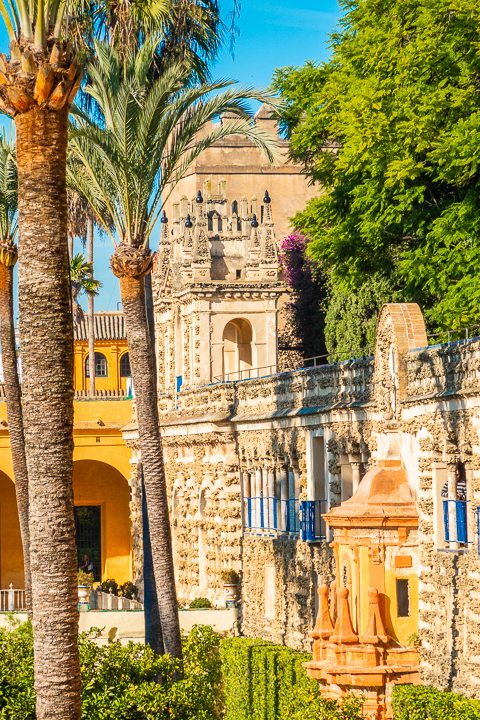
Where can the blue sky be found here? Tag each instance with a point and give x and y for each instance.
(271, 36)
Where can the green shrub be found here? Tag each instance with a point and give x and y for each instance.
(411, 702)
(109, 586)
(200, 603)
(263, 681)
(118, 681)
(84, 578)
(129, 590)
(230, 577)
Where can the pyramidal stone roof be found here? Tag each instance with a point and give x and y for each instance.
(108, 326)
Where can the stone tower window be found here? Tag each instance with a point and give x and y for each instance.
(237, 348)
(403, 598)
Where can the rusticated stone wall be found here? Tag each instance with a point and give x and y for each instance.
(279, 582)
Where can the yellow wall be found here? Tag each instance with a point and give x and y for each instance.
(401, 628)
(113, 351)
(11, 559)
(101, 472)
(96, 483)
(366, 574)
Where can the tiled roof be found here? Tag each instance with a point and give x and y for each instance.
(108, 326)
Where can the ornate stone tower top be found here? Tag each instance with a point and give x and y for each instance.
(216, 289)
(211, 240)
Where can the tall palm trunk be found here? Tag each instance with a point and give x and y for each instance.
(130, 265)
(14, 407)
(91, 315)
(46, 336)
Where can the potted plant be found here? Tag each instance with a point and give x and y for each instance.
(230, 587)
(84, 583)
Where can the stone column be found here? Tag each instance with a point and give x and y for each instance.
(271, 497)
(258, 498)
(283, 497)
(471, 520)
(452, 510)
(265, 495)
(355, 463)
(247, 522)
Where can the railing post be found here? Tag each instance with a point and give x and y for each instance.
(11, 598)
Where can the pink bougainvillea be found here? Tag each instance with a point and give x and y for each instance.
(309, 286)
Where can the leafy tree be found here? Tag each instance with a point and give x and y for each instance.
(351, 317)
(144, 142)
(390, 127)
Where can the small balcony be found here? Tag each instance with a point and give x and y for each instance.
(273, 517)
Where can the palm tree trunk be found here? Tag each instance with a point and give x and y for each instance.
(91, 316)
(153, 627)
(14, 416)
(46, 337)
(141, 361)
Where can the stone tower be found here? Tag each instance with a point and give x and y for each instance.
(216, 291)
(246, 171)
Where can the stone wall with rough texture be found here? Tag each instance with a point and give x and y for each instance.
(226, 440)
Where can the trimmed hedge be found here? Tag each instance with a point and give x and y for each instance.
(425, 703)
(263, 681)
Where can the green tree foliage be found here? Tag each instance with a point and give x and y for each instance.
(351, 317)
(391, 128)
(118, 680)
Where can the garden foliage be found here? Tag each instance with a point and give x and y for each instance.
(390, 128)
(426, 703)
(263, 681)
(118, 680)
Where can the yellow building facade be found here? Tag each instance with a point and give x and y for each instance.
(101, 464)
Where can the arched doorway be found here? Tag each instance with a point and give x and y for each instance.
(237, 349)
(11, 553)
(102, 518)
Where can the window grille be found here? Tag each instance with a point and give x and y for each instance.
(125, 370)
(101, 366)
(88, 537)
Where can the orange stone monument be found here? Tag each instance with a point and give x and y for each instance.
(366, 630)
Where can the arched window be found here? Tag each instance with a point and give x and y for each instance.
(237, 348)
(101, 366)
(125, 366)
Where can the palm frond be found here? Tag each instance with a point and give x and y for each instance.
(150, 132)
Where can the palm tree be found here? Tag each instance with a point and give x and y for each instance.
(147, 139)
(81, 280)
(38, 83)
(8, 259)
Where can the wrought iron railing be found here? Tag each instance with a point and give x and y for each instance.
(312, 523)
(455, 521)
(265, 515)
